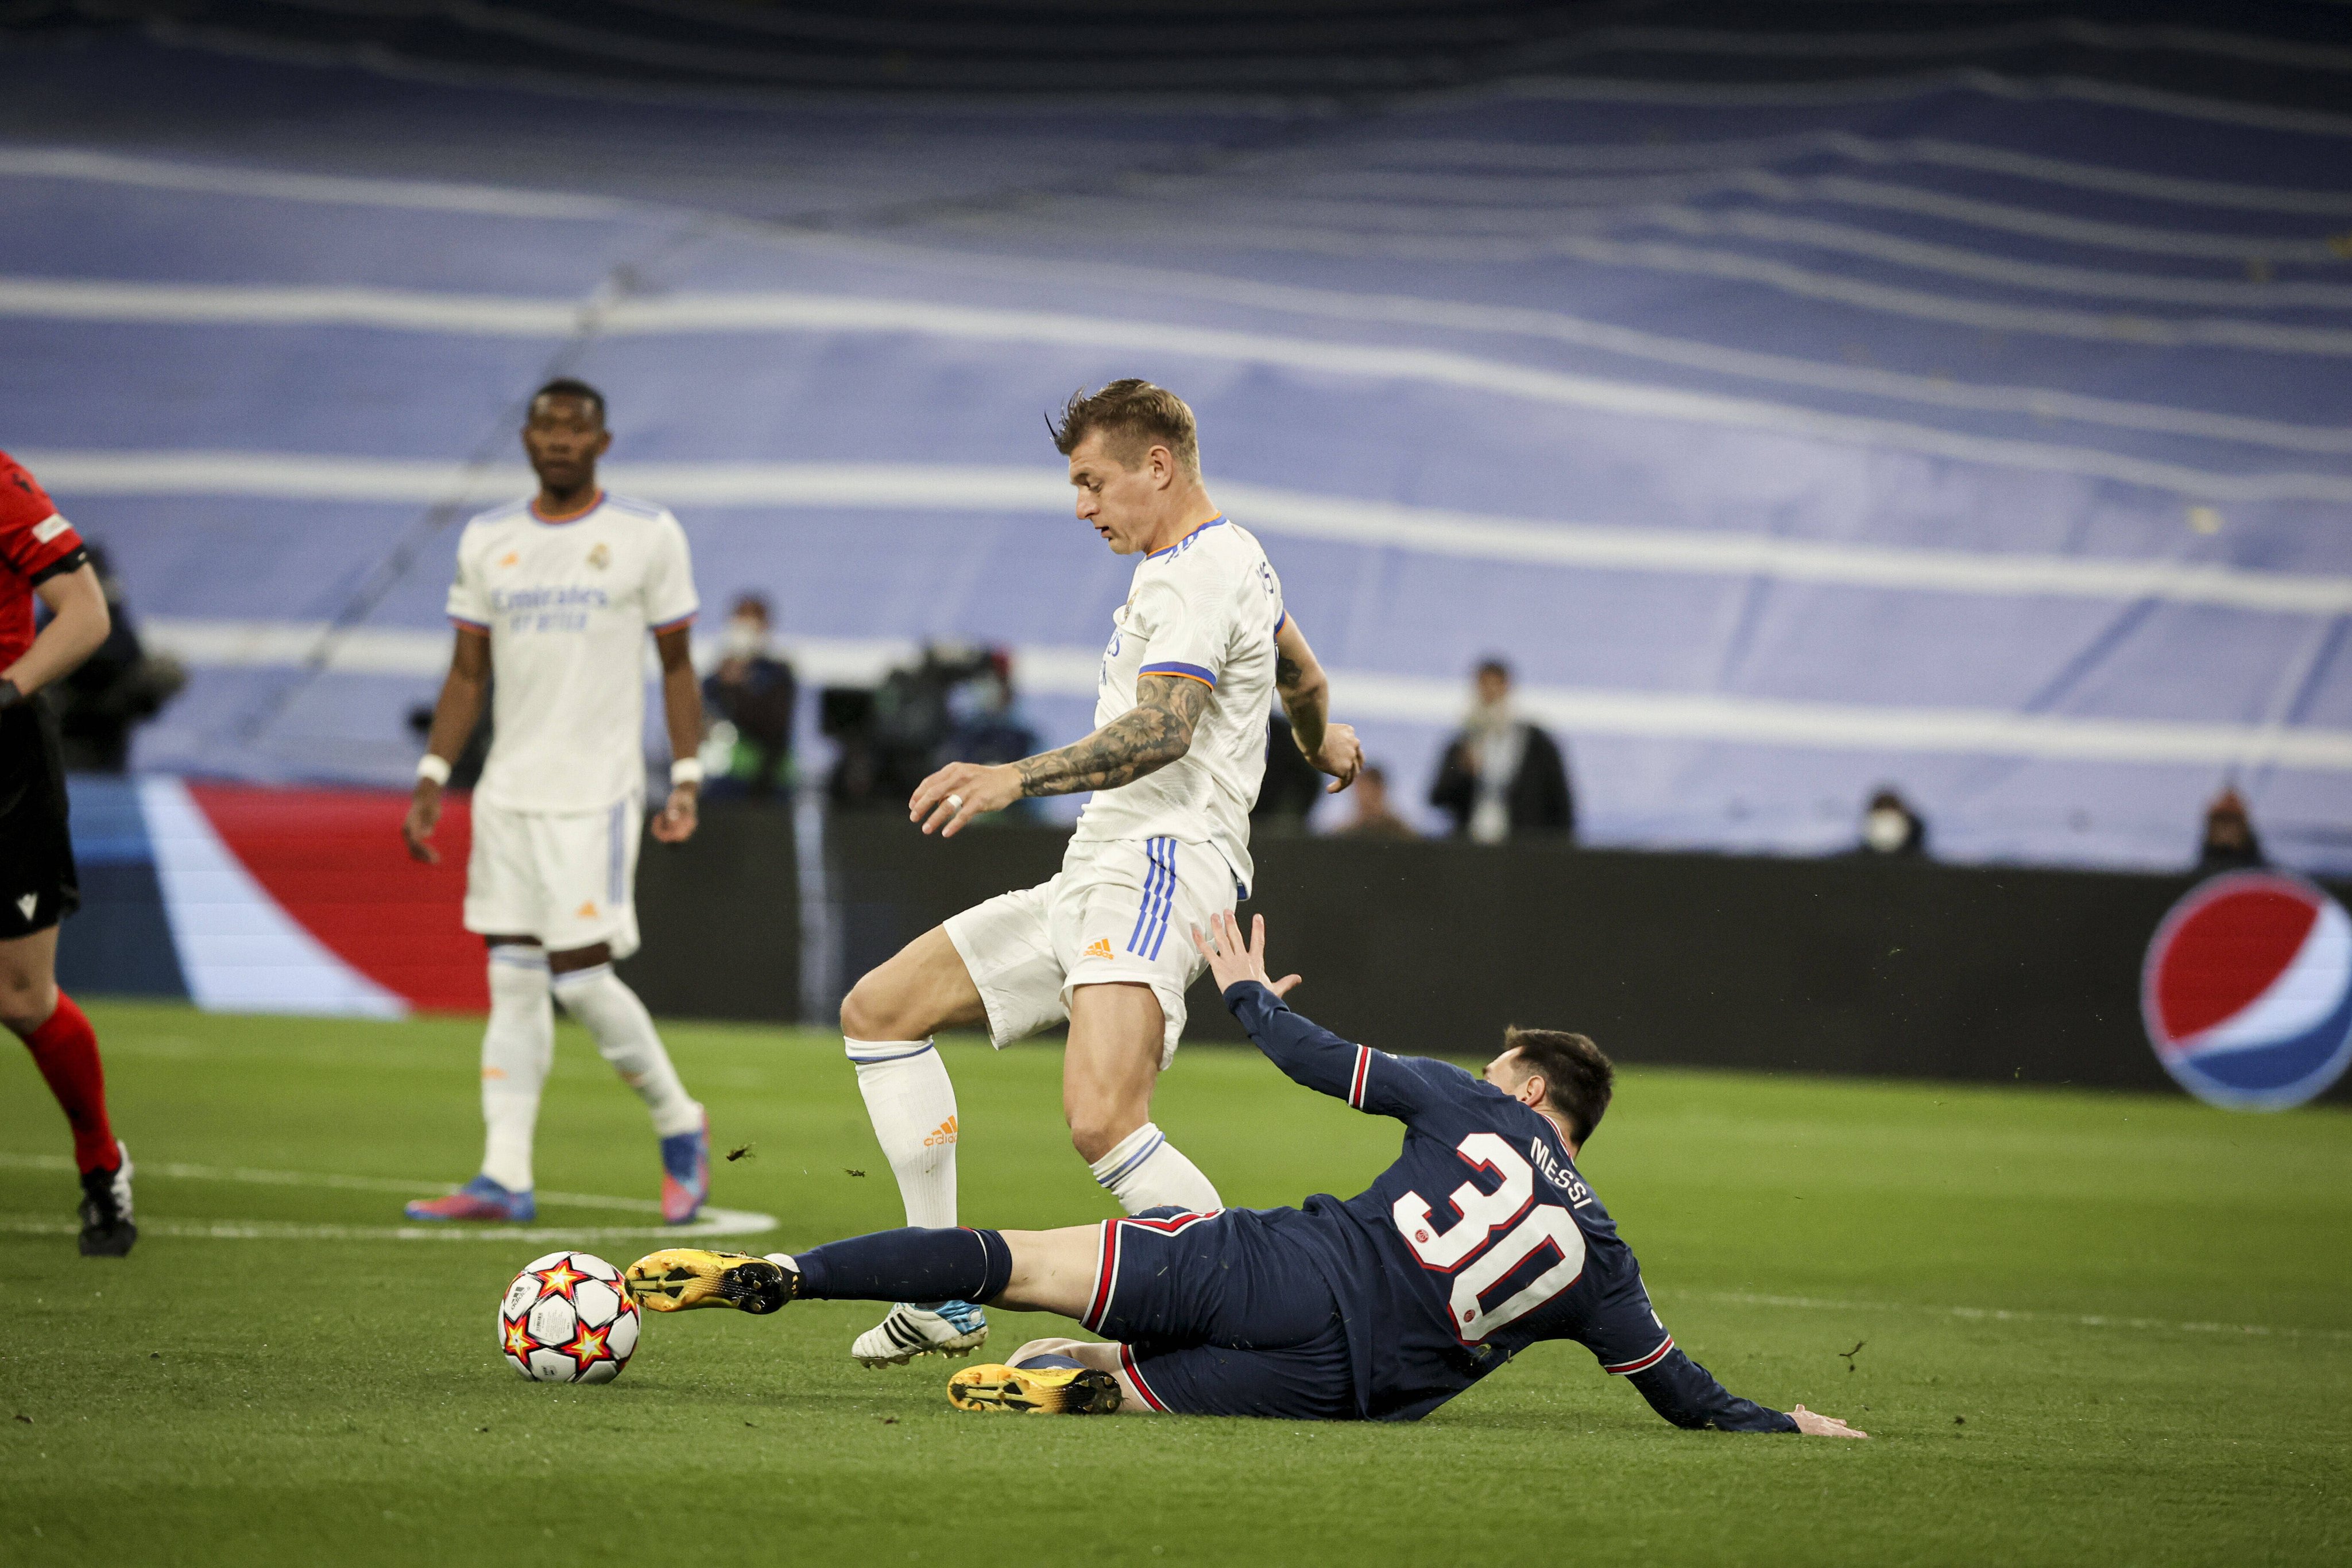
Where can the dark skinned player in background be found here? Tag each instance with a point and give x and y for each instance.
(42, 556)
(556, 593)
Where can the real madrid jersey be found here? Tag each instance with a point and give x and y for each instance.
(567, 606)
(1205, 609)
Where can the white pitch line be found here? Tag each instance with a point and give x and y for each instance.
(735, 1222)
(714, 1221)
(2018, 1316)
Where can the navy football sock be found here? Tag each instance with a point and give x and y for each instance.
(910, 1265)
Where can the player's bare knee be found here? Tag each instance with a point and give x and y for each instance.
(1101, 1114)
(871, 1012)
(27, 1000)
(1095, 1131)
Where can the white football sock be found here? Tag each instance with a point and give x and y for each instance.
(913, 1108)
(625, 1038)
(1144, 1170)
(518, 1046)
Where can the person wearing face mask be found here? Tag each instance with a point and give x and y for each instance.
(986, 726)
(750, 697)
(1502, 777)
(1890, 827)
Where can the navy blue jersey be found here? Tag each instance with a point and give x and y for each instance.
(1480, 1240)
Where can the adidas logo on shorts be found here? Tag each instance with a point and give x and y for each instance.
(1098, 948)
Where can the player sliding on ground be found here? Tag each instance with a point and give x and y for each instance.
(1197, 655)
(555, 595)
(1479, 1241)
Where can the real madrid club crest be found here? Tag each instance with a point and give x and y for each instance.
(2247, 990)
(600, 557)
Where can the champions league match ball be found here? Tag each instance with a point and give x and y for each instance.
(567, 1319)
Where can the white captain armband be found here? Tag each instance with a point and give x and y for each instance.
(686, 771)
(433, 768)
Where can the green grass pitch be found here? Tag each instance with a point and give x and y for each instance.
(2093, 1329)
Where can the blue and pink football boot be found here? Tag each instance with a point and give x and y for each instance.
(480, 1199)
(686, 1174)
(685, 1186)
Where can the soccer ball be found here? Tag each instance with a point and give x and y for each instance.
(567, 1319)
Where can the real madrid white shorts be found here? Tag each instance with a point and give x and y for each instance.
(1120, 911)
(568, 878)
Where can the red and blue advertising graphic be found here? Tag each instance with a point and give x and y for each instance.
(2248, 991)
(245, 898)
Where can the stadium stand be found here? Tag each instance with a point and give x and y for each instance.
(1958, 406)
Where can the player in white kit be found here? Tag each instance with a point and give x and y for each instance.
(1197, 655)
(556, 595)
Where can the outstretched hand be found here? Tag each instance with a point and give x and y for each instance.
(1231, 960)
(1813, 1425)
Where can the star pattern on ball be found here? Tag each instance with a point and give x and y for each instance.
(517, 1340)
(587, 1347)
(562, 1279)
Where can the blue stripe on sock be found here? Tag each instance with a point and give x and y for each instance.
(894, 1056)
(1133, 1160)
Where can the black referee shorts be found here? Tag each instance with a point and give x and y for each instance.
(38, 885)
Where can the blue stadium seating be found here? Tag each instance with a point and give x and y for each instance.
(1984, 434)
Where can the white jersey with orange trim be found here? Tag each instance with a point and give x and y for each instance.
(567, 606)
(1205, 609)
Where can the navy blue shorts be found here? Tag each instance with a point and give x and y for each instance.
(1218, 1315)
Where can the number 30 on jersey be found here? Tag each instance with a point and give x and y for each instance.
(1468, 1251)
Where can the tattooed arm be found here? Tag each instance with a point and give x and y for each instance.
(1306, 695)
(1147, 737)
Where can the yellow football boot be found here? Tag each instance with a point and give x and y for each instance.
(1036, 1390)
(679, 1278)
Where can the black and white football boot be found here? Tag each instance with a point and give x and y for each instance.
(107, 1230)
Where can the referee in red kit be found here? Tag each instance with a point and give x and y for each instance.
(41, 554)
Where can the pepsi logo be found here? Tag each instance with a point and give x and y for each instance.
(2247, 990)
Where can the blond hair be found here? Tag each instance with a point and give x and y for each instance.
(1132, 417)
